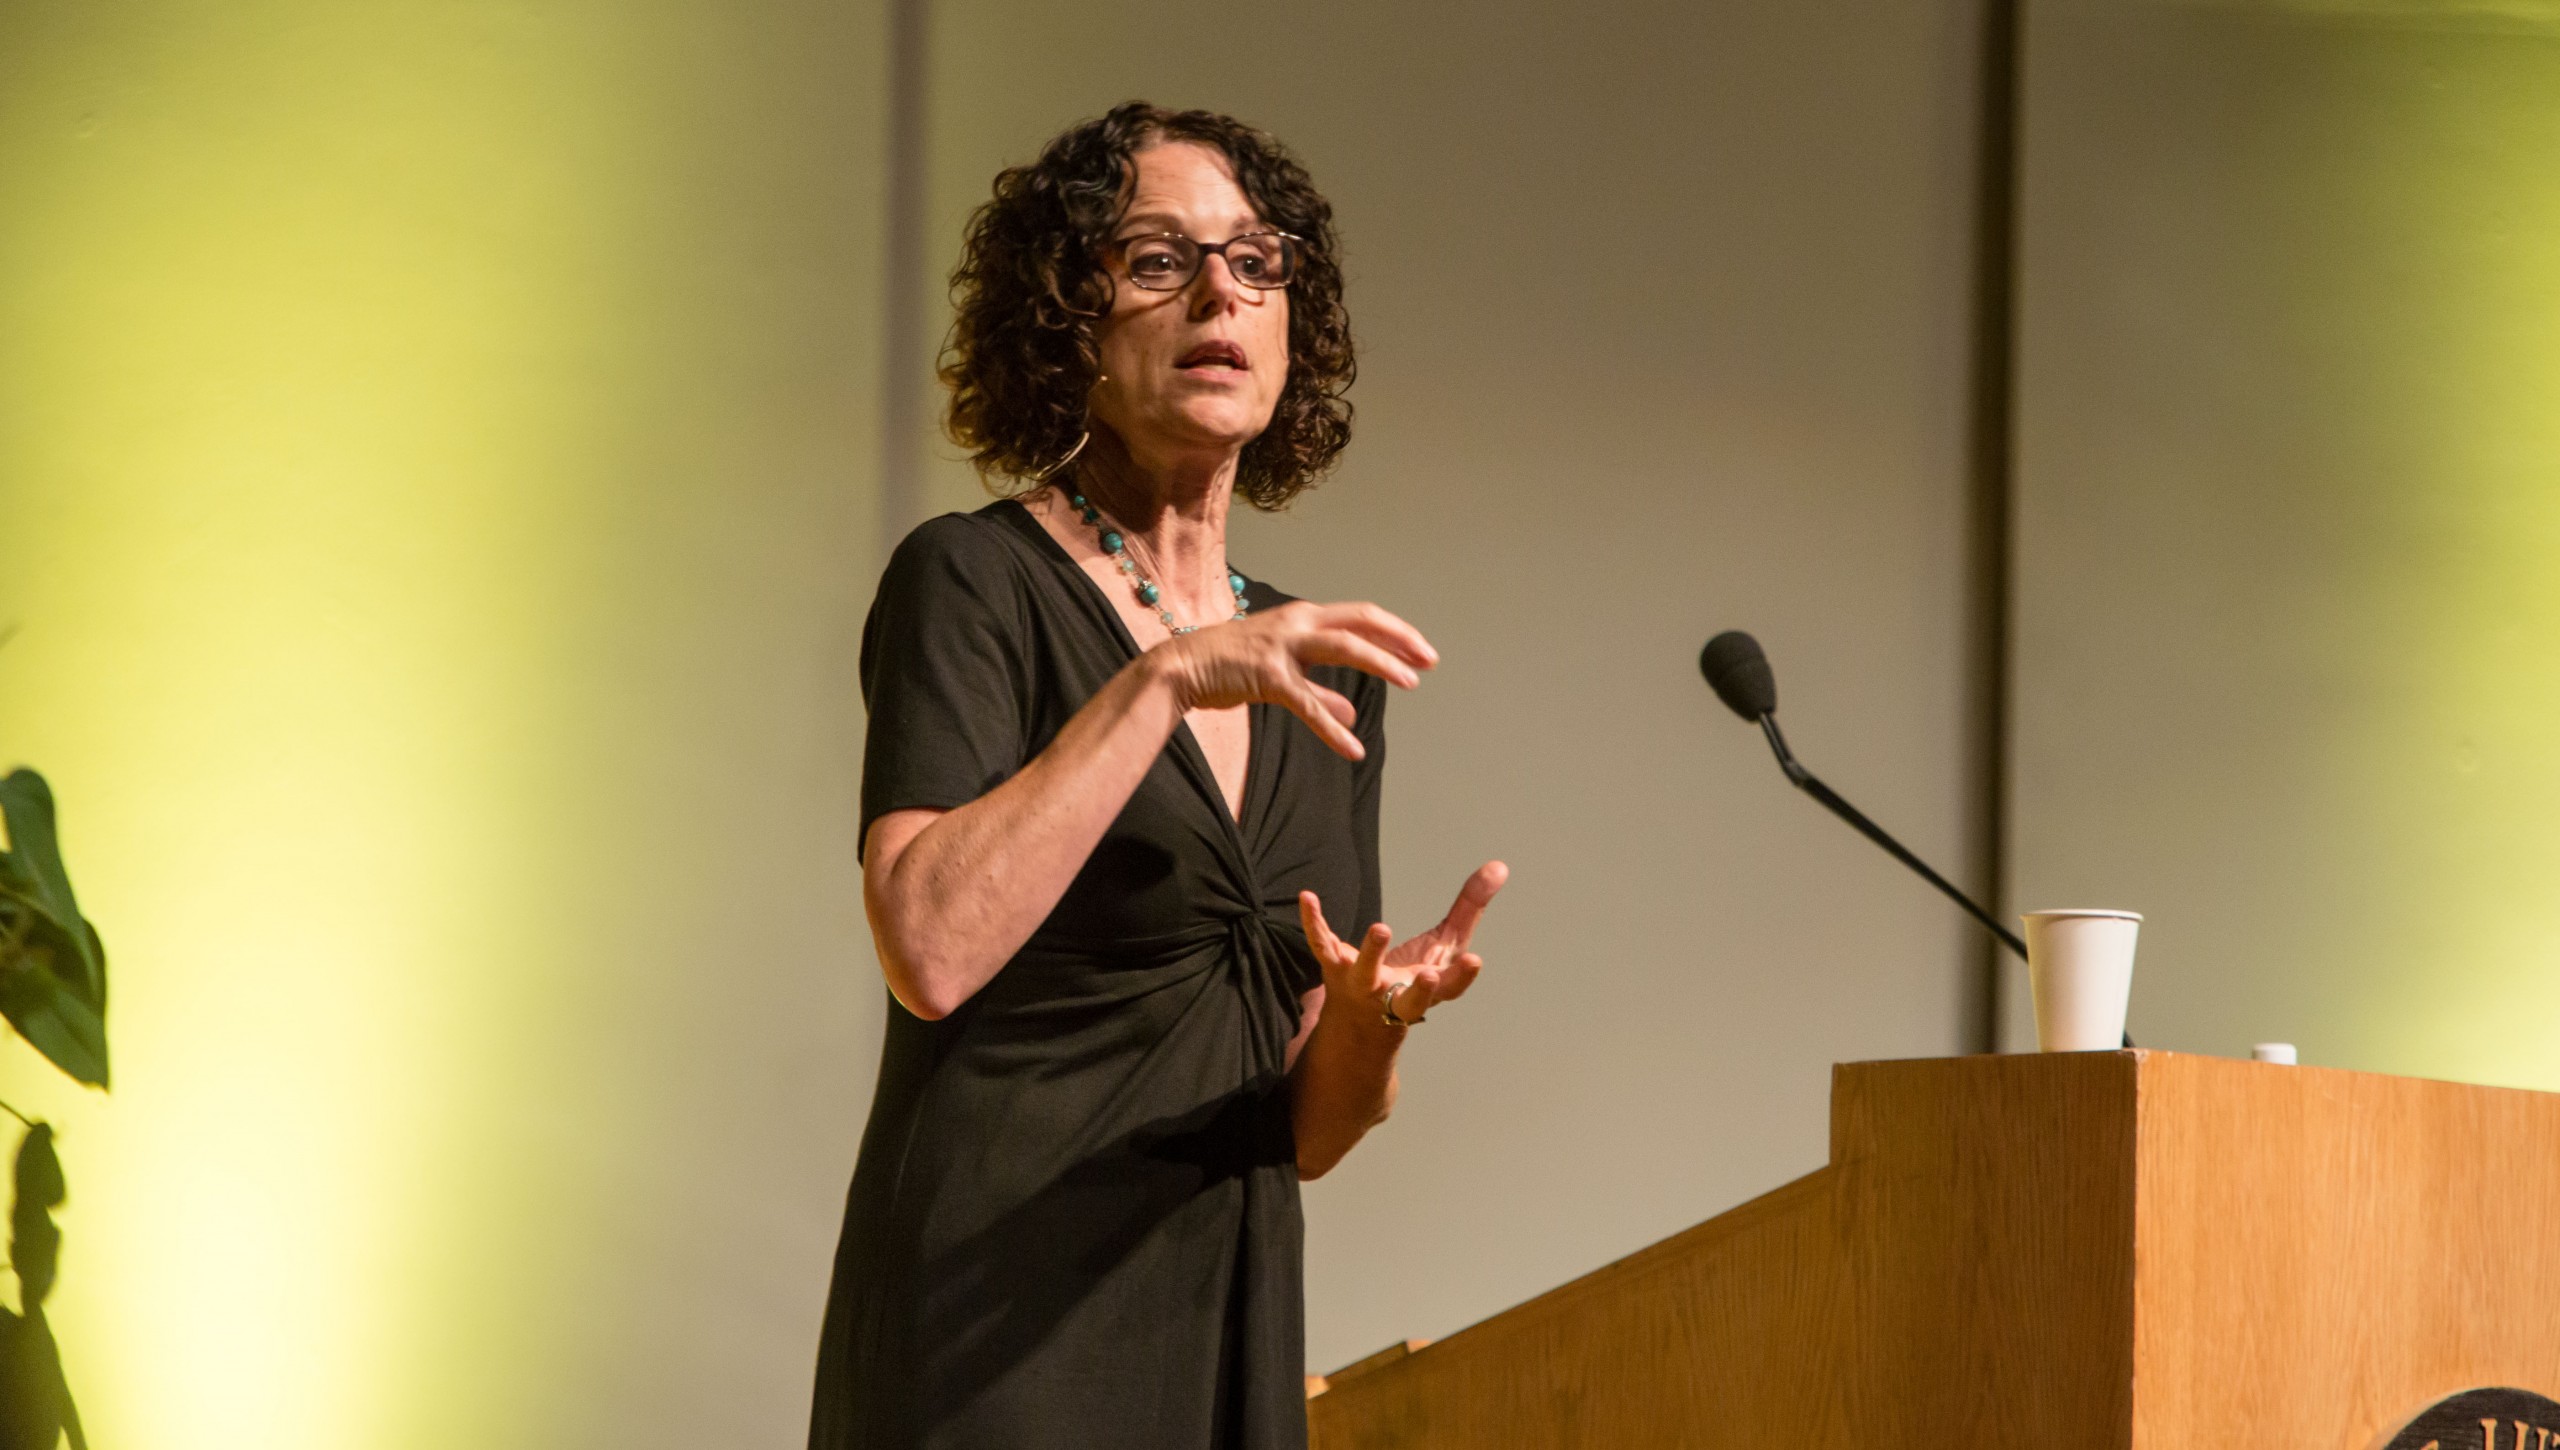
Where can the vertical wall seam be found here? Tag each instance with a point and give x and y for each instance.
(1989, 466)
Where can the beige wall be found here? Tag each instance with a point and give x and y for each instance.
(2288, 646)
(1663, 311)
(438, 474)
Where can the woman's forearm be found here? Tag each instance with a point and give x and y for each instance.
(1344, 1083)
(953, 895)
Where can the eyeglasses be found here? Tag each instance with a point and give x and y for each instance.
(1167, 261)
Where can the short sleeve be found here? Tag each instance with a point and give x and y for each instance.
(944, 676)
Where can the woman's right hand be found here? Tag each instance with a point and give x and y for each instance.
(1264, 658)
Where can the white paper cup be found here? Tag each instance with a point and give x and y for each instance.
(2080, 965)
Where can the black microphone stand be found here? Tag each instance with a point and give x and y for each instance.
(1811, 784)
(1806, 781)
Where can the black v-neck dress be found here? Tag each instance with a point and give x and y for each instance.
(1074, 1220)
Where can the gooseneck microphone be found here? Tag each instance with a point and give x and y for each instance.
(1740, 673)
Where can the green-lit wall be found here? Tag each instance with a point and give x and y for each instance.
(440, 482)
(436, 506)
(2288, 598)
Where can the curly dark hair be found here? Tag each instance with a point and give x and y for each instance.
(1030, 288)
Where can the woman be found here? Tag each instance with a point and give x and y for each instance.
(1120, 814)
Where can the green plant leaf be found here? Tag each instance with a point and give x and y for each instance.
(26, 802)
(53, 969)
(53, 1019)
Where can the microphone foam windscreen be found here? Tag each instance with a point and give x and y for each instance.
(1740, 673)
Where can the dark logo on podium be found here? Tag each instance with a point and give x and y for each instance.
(2489, 1419)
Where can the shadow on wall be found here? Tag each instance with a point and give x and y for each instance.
(36, 1410)
(53, 990)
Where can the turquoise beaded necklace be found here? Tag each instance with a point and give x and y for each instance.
(1148, 594)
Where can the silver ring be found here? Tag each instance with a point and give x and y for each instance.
(1387, 1009)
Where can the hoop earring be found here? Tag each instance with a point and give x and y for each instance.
(1044, 475)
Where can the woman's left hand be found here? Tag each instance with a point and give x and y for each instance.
(1424, 970)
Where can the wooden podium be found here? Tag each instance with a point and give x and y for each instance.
(2107, 1249)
